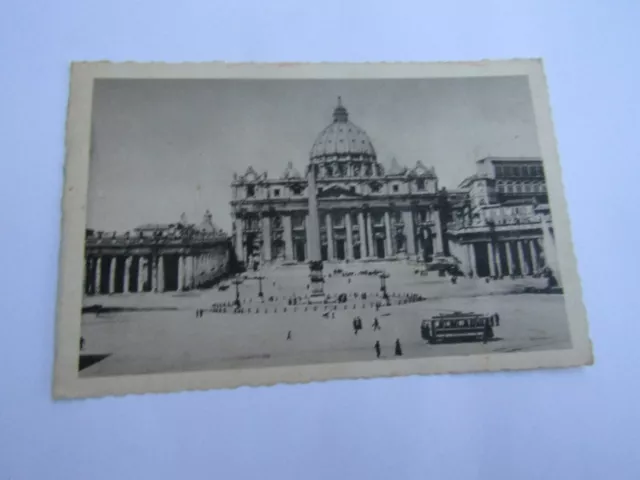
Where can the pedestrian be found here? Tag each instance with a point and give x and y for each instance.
(289, 335)
(376, 324)
(82, 343)
(398, 348)
(333, 314)
(355, 326)
(377, 347)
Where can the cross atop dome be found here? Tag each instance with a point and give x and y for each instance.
(340, 114)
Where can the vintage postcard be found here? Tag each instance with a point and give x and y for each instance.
(231, 225)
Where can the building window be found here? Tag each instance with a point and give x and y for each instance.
(543, 188)
(297, 221)
(420, 184)
(527, 187)
(500, 187)
(395, 189)
(251, 190)
(509, 188)
(329, 170)
(276, 192)
(518, 188)
(319, 190)
(499, 171)
(296, 189)
(375, 188)
(352, 189)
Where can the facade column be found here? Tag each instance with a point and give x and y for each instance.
(112, 275)
(160, 273)
(492, 260)
(471, 252)
(524, 267)
(363, 235)
(239, 238)
(266, 238)
(388, 240)
(127, 274)
(439, 240)
(507, 246)
(348, 227)
(288, 237)
(329, 226)
(534, 256)
(409, 232)
(369, 222)
(498, 255)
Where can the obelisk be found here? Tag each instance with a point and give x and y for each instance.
(313, 231)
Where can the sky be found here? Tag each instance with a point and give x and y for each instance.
(164, 147)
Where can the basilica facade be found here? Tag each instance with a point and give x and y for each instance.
(371, 212)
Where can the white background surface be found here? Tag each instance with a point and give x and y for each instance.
(580, 424)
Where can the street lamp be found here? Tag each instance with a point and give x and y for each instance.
(237, 283)
(260, 293)
(383, 282)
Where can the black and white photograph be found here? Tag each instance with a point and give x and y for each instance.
(261, 224)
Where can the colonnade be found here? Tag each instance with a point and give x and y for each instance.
(124, 273)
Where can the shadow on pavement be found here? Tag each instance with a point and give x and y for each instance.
(85, 361)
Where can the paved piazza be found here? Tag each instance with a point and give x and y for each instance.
(157, 333)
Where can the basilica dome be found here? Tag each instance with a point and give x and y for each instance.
(342, 140)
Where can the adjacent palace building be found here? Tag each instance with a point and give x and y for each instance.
(493, 223)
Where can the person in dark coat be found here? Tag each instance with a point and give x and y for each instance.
(377, 347)
(289, 335)
(376, 324)
(355, 326)
(398, 348)
(82, 343)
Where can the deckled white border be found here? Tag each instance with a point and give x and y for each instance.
(67, 383)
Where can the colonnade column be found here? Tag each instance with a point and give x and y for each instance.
(127, 274)
(142, 271)
(524, 268)
(288, 240)
(160, 273)
(347, 224)
(181, 273)
(329, 226)
(112, 275)
(409, 232)
(363, 235)
(388, 239)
